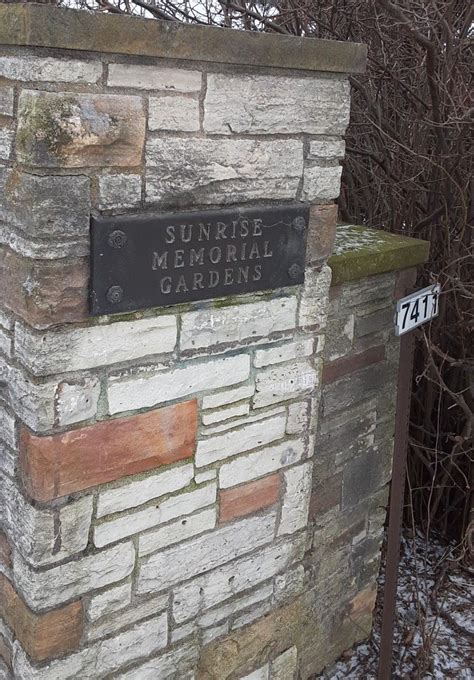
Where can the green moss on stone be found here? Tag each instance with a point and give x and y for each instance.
(42, 130)
(360, 252)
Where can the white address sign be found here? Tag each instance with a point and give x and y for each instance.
(417, 308)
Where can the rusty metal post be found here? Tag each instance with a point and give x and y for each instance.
(405, 374)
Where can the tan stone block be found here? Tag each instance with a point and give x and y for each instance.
(72, 130)
(43, 636)
(321, 232)
(45, 292)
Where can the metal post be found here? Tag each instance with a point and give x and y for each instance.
(405, 373)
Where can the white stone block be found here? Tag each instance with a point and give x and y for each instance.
(151, 607)
(298, 417)
(286, 352)
(177, 531)
(264, 104)
(279, 383)
(260, 674)
(74, 522)
(7, 427)
(133, 523)
(6, 143)
(284, 667)
(253, 417)
(209, 327)
(33, 403)
(102, 345)
(260, 463)
(59, 584)
(252, 615)
(228, 397)
(101, 658)
(177, 663)
(6, 101)
(205, 476)
(182, 632)
(222, 171)
(216, 587)
(314, 302)
(294, 512)
(327, 149)
(7, 320)
(42, 69)
(217, 614)
(8, 460)
(173, 113)
(154, 78)
(204, 553)
(119, 191)
(77, 401)
(210, 634)
(109, 601)
(289, 584)
(35, 531)
(6, 343)
(132, 494)
(239, 440)
(321, 182)
(225, 414)
(144, 390)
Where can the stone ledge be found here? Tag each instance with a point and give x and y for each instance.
(45, 26)
(361, 251)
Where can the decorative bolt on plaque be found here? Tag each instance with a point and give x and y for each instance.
(117, 239)
(299, 224)
(294, 271)
(115, 295)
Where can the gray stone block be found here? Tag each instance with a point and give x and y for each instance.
(45, 207)
(363, 476)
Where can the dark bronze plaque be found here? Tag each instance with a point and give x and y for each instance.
(158, 260)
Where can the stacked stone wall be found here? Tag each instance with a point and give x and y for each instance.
(169, 507)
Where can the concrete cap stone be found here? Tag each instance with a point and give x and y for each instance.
(361, 251)
(35, 25)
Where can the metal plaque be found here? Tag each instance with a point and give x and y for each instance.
(155, 260)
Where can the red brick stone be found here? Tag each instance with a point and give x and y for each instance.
(5, 551)
(61, 464)
(405, 282)
(321, 232)
(43, 636)
(243, 500)
(325, 496)
(363, 603)
(45, 292)
(340, 367)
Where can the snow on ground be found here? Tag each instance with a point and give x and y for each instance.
(434, 630)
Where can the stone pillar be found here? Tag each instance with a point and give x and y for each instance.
(156, 466)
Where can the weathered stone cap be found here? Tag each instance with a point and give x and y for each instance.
(361, 251)
(46, 26)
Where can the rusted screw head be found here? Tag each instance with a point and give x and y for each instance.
(294, 271)
(117, 239)
(115, 294)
